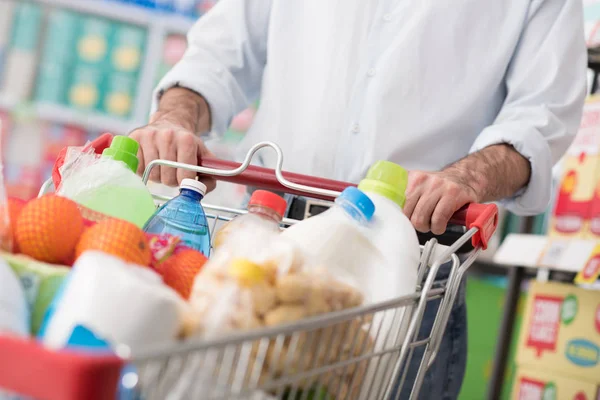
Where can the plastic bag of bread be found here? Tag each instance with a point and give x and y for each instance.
(249, 285)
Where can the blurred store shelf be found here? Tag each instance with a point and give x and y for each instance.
(68, 116)
(125, 13)
(91, 121)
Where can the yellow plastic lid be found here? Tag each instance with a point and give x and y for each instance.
(387, 179)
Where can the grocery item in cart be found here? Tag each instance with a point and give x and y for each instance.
(265, 211)
(183, 216)
(395, 238)
(105, 300)
(14, 311)
(264, 281)
(338, 239)
(108, 184)
(391, 232)
(40, 281)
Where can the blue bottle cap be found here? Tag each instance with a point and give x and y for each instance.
(361, 201)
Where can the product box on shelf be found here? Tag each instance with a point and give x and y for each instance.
(6, 17)
(581, 166)
(94, 41)
(20, 59)
(52, 83)
(60, 37)
(561, 331)
(128, 48)
(537, 384)
(86, 85)
(119, 94)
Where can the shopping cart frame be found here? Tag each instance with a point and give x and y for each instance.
(67, 375)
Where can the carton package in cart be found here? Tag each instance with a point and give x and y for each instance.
(577, 188)
(537, 384)
(561, 331)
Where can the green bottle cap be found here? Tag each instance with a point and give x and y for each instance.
(387, 179)
(123, 148)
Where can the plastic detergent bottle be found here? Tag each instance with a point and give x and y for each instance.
(107, 187)
(265, 211)
(337, 240)
(184, 216)
(390, 230)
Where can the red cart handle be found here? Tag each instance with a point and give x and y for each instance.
(26, 367)
(484, 217)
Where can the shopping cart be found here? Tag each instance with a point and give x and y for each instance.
(331, 356)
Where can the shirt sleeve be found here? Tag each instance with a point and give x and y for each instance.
(546, 88)
(225, 59)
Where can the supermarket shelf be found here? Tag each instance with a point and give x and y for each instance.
(535, 251)
(125, 13)
(69, 116)
(92, 121)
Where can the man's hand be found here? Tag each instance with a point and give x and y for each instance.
(172, 135)
(491, 174)
(433, 197)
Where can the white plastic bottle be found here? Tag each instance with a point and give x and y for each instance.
(14, 312)
(338, 240)
(390, 230)
(395, 237)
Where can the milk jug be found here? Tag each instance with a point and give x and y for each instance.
(396, 239)
(338, 240)
(390, 230)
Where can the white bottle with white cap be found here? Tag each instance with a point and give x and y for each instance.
(184, 216)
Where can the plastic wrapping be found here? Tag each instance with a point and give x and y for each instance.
(105, 185)
(263, 280)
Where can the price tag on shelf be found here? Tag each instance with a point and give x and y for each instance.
(553, 253)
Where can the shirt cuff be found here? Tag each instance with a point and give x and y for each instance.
(209, 87)
(534, 198)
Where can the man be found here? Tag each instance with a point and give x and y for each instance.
(477, 99)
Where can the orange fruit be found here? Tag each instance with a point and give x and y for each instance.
(15, 206)
(180, 270)
(119, 238)
(48, 229)
(7, 227)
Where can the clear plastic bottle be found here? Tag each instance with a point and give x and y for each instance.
(184, 216)
(265, 210)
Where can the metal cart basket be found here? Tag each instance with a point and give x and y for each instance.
(350, 354)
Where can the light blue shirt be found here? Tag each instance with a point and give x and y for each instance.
(344, 83)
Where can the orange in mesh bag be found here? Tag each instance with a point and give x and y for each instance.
(263, 280)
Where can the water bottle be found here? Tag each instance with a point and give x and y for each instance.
(183, 216)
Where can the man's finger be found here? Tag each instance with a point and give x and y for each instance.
(167, 150)
(141, 165)
(187, 153)
(416, 182)
(150, 153)
(203, 151)
(421, 216)
(444, 210)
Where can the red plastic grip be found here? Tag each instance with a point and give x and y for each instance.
(27, 368)
(484, 217)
